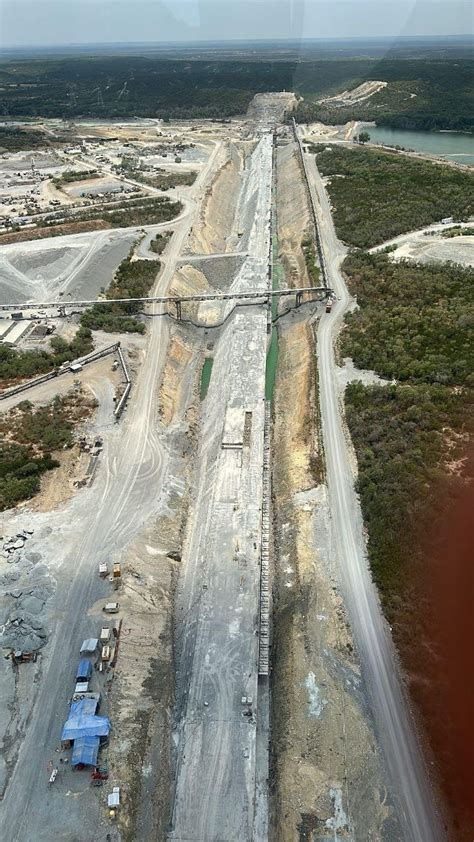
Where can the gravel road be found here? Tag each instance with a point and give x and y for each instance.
(409, 786)
(98, 524)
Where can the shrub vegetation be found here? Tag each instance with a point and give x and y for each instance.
(21, 365)
(378, 195)
(27, 438)
(133, 279)
(415, 325)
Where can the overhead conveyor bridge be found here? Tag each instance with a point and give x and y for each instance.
(257, 295)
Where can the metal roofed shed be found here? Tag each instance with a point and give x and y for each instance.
(85, 751)
(84, 670)
(89, 645)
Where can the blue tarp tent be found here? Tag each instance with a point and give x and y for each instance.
(84, 707)
(82, 723)
(85, 751)
(84, 669)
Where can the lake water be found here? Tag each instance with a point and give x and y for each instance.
(455, 146)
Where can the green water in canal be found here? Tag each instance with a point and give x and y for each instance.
(206, 376)
(272, 353)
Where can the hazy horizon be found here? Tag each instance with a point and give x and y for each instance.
(67, 23)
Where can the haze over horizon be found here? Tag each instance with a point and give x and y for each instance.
(50, 23)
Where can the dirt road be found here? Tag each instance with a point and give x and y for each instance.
(95, 526)
(219, 591)
(410, 789)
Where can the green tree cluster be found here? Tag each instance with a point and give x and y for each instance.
(126, 214)
(69, 176)
(378, 195)
(133, 279)
(414, 323)
(27, 439)
(158, 244)
(22, 365)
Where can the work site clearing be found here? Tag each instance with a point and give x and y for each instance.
(184, 611)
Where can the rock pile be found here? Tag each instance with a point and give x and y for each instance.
(21, 607)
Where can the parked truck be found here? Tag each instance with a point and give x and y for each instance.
(329, 304)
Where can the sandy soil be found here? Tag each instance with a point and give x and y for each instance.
(325, 775)
(178, 359)
(359, 94)
(293, 215)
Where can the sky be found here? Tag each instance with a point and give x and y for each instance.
(61, 22)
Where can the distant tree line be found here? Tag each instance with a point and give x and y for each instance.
(192, 88)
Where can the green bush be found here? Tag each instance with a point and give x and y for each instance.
(23, 461)
(133, 279)
(22, 365)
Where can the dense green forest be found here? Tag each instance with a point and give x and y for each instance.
(377, 195)
(128, 86)
(403, 436)
(424, 94)
(133, 279)
(415, 325)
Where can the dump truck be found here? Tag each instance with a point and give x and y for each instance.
(117, 572)
(329, 304)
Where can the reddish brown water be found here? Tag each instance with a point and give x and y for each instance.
(438, 654)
